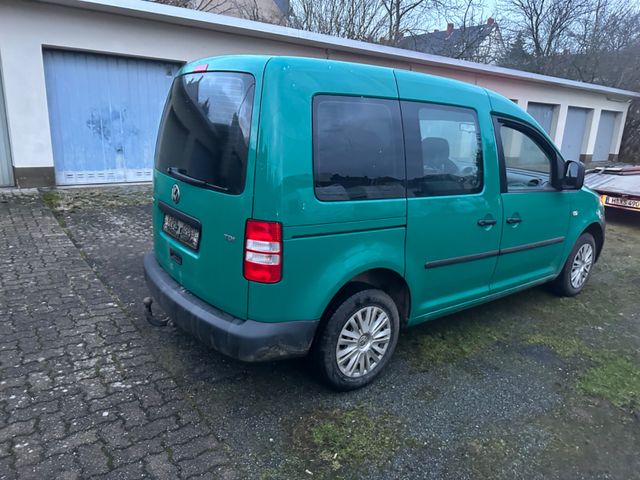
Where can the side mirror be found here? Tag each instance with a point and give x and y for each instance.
(573, 177)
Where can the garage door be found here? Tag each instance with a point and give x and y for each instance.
(604, 138)
(543, 113)
(574, 133)
(104, 113)
(6, 177)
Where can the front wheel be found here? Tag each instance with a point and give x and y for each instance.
(356, 342)
(577, 268)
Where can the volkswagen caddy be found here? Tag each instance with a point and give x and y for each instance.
(305, 206)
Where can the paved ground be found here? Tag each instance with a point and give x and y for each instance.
(531, 386)
(80, 394)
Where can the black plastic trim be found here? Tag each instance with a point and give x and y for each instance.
(464, 258)
(246, 340)
(529, 246)
(492, 253)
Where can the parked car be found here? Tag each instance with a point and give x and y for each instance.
(312, 206)
(619, 187)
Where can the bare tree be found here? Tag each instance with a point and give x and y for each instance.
(260, 12)
(214, 6)
(380, 21)
(404, 17)
(544, 26)
(595, 41)
(355, 19)
(608, 33)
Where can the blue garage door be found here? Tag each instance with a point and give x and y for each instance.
(574, 131)
(104, 113)
(6, 173)
(543, 113)
(604, 138)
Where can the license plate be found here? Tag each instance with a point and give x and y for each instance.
(622, 202)
(181, 231)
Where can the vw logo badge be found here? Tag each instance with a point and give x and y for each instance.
(175, 193)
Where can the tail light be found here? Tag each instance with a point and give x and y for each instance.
(263, 251)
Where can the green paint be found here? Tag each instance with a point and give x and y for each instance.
(328, 244)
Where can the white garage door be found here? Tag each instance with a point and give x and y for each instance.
(104, 113)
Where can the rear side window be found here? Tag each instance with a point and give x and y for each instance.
(204, 133)
(357, 148)
(444, 150)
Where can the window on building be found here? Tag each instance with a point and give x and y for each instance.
(357, 148)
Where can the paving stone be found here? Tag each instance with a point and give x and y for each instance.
(81, 396)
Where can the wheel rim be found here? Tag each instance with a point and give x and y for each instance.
(581, 267)
(363, 341)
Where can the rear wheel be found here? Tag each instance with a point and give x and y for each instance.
(358, 339)
(577, 269)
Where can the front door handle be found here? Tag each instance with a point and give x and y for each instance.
(485, 222)
(513, 220)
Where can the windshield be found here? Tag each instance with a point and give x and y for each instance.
(204, 133)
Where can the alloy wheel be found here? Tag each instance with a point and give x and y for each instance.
(363, 341)
(582, 263)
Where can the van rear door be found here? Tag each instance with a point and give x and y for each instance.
(203, 184)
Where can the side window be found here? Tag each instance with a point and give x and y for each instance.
(527, 165)
(444, 152)
(357, 148)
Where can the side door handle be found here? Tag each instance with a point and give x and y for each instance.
(485, 222)
(513, 220)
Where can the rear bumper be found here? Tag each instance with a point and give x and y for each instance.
(245, 340)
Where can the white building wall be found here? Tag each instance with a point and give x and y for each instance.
(27, 27)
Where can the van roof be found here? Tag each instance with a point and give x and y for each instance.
(234, 62)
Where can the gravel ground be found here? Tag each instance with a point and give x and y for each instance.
(530, 386)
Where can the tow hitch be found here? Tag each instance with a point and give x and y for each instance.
(148, 314)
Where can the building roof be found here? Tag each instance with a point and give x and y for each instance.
(441, 42)
(210, 21)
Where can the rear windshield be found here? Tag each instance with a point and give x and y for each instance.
(204, 134)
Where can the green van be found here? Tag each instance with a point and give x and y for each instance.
(313, 206)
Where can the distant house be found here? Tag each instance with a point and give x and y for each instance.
(478, 43)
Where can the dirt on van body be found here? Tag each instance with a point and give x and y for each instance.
(529, 386)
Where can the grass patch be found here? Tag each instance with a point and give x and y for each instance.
(616, 379)
(52, 199)
(338, 443)
(613, 377)
(449, 342)
(563, 345)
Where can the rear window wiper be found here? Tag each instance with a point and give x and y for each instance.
(181, 174)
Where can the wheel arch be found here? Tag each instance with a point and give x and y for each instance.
(385, 279)
(597, 231)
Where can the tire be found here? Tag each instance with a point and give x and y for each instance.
(583, 251)
(349, 324)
